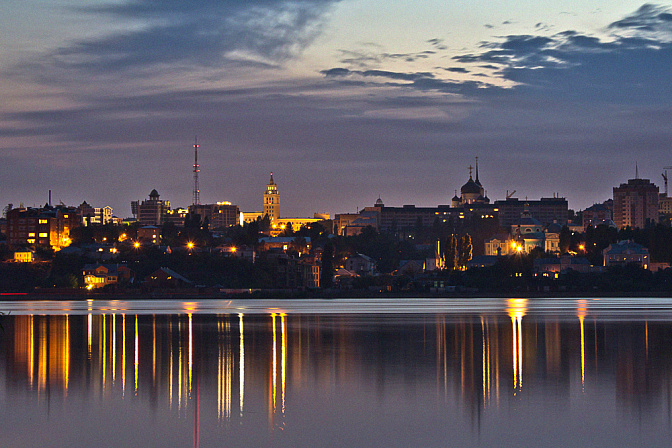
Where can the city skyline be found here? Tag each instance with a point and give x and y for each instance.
(101, 100)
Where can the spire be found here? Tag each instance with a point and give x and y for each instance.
(477, 171)
(271, 182)
(636, 171)
(471, 169)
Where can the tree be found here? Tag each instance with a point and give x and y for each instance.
(451, 253)
(565, 239)
(327, 279)
(465, 250)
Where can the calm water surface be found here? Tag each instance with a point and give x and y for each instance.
(337, 373)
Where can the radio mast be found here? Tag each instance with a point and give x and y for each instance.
(197, 191)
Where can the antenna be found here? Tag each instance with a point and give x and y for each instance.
(197, 191)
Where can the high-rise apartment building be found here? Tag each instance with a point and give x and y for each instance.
(635, 204)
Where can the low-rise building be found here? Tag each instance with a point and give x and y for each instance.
(361, 264)
(286, 244)
(596, 215)
(24, 256)
(150, 235)
(166, 278)
(101, 275)
(411, 267)
(561, 264)
(626, 252)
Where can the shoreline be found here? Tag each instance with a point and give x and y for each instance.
(325, 295)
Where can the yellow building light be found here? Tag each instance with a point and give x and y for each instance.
(136, 244)
(42, 221)
(43, 235)
(190, 245)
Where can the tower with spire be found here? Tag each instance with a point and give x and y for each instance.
(472, 192)
(272, 201)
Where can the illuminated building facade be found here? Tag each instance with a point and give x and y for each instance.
(43, 227)
(100, 275)
(635, 204)
(95, 215)
(176, 216)
(24, 256)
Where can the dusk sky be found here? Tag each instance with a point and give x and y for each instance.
(344, 101)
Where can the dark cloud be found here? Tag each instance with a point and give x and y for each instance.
(423, 81)
(626, 68)
(438, 43)
(335, 72)
(647, 18)
(207, 33)
(457, 70)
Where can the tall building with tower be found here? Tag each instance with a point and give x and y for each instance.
(272, 201)
(152, 212)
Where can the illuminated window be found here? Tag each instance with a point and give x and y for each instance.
(30, 240)
(43, 235)
(65, 216)
(42, 221)
(32, 234)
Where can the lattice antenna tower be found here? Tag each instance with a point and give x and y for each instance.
(197, 191)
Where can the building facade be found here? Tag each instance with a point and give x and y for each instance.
(152, 212)
(219, 215)
(546, 210)
(635, 204)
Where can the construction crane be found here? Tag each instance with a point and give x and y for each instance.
(665, 177)
(508, 195)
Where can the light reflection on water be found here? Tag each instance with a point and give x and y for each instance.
(488, 372)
